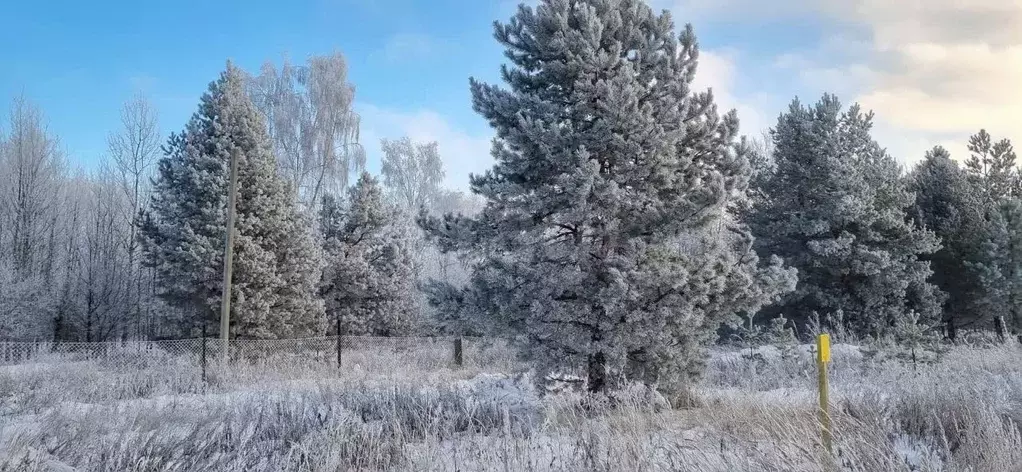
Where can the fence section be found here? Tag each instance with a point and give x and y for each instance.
(318, 353)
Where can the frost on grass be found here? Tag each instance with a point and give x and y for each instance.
(755, 413)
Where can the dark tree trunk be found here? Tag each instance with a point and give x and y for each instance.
(952, 330)
(204, 353)
(597, 373)
(459, 359)
(58, 324)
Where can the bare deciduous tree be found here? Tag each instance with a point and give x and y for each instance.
(314, 130)
(32, 166)
(413, 172)
(134, 149)
(105, 284)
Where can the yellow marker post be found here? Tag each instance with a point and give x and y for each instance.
(822, 358)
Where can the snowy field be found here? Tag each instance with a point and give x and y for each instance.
(413, 411)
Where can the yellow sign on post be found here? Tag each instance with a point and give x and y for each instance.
(823, 348)
(822, 358)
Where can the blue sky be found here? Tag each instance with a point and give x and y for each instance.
(410, 62)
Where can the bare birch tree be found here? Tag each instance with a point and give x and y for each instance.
(308, 110)
(105, 284)
(134, 149)
(32, 167)
(412, 172)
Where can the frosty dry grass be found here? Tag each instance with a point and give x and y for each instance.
(387, 412)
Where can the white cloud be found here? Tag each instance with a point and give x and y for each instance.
(934, 71)
(717, 71)
(462, 152)
(684, 11)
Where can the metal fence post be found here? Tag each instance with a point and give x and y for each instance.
(203, 354)
(338, 350)
(338, 321)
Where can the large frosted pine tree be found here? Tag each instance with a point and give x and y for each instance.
(276, 260)
(598, 244)
(835, 207)
(992, 169)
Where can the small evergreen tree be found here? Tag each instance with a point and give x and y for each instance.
(604, 239)
(835, 207)
(781, 335)
(368, 281)
(913, 340)
(276, 261)
(746, 332)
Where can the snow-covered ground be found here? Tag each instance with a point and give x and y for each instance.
(755, 410)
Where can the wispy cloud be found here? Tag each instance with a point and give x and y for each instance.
(934, 72)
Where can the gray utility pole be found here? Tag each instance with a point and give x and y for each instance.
(225, 303)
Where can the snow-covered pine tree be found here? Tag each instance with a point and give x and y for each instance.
(835, 208)
(951, 205)
(369, 281)
(1000, 270)
(605, 160)
(276, 260)
(992, 166)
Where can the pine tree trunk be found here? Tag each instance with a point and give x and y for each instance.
(597, 373)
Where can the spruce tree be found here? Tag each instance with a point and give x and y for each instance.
(369, 281)
(835, 207)
(276, 261)
(599, 244)
(951, 205)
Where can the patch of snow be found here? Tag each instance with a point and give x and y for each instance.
(38, 367)
(916, 454)
(775, 397)
(516, 393)
(639, 393)
(770, 353)
(560, 383)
